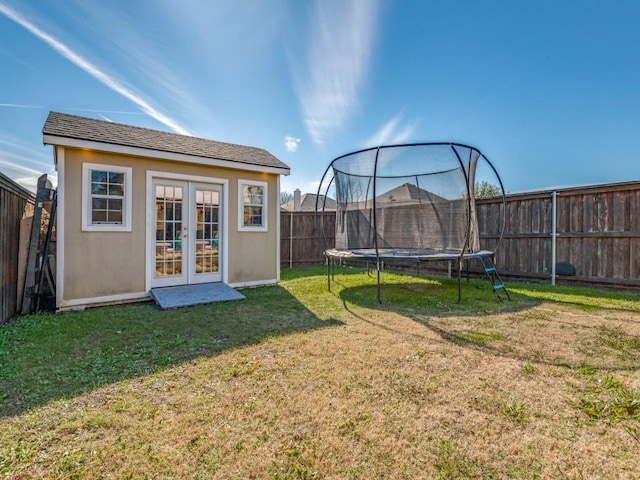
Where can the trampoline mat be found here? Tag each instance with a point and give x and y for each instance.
(415, 254)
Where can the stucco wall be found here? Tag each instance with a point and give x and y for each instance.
(100, 264)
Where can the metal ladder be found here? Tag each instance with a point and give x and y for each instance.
(496, 282)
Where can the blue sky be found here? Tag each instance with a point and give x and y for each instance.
(549, 91)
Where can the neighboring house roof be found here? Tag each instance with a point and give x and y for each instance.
(408, 193)
(308, 203)
(74, 131)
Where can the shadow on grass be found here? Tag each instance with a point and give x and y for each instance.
(474, 323)
(46, 357)
(434, 297)
(581, 297)
(612, 354)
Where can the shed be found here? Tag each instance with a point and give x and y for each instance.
(141, 208)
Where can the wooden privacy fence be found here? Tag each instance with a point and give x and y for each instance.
(301, 237)
(597, 235)
(16, 209)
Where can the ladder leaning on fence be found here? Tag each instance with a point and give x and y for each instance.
(497, 284)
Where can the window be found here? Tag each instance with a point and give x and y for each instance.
(106, 198)
(252, 210)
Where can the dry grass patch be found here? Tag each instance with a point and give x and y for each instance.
(418, 387)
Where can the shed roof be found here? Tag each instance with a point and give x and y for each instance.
(71, 130)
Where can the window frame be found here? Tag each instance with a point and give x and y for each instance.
(87, 208)
(241, 206)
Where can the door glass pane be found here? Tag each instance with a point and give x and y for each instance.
(168, 231)
(207, 231)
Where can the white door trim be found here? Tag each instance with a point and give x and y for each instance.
(185, 240)
(194, 277)
(150, 228)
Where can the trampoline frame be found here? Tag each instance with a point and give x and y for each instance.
(419, 255)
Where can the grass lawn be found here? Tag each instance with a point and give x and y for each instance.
(300, 383)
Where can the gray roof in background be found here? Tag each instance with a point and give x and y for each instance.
(89, 129)
(308, 203)
(408, 193)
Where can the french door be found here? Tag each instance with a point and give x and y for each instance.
(187, 219)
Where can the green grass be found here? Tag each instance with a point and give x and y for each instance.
(608, 399)
(615, 339)
(433, 296)
(581, 297)
(46, 356)
(296, 382)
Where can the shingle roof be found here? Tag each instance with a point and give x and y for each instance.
(408, 193)
(89, 129)
(308, 203)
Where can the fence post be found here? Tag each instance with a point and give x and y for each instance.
(291, 240)
(554, 196)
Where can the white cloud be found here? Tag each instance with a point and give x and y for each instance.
(91, 69)
(291, 143)
(388, 134)
(22, 162)
(37, 160)
(327, 183)
(30, 183)
(16, 167)
(342, 37)
(17, 105)
(120, 112)
(19, 157)
(312, 187)
(144, 54)
(9, 144)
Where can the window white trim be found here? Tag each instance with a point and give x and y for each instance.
(87, 225)
(241, 204)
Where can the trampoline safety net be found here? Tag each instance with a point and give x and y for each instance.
(412, 202)
(417, 197)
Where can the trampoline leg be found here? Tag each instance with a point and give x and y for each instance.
(459, 281)
(328, 274)
(378, 270)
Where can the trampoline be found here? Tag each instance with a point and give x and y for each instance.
(412, 202)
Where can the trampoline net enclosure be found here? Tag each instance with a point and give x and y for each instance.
(409, 201)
